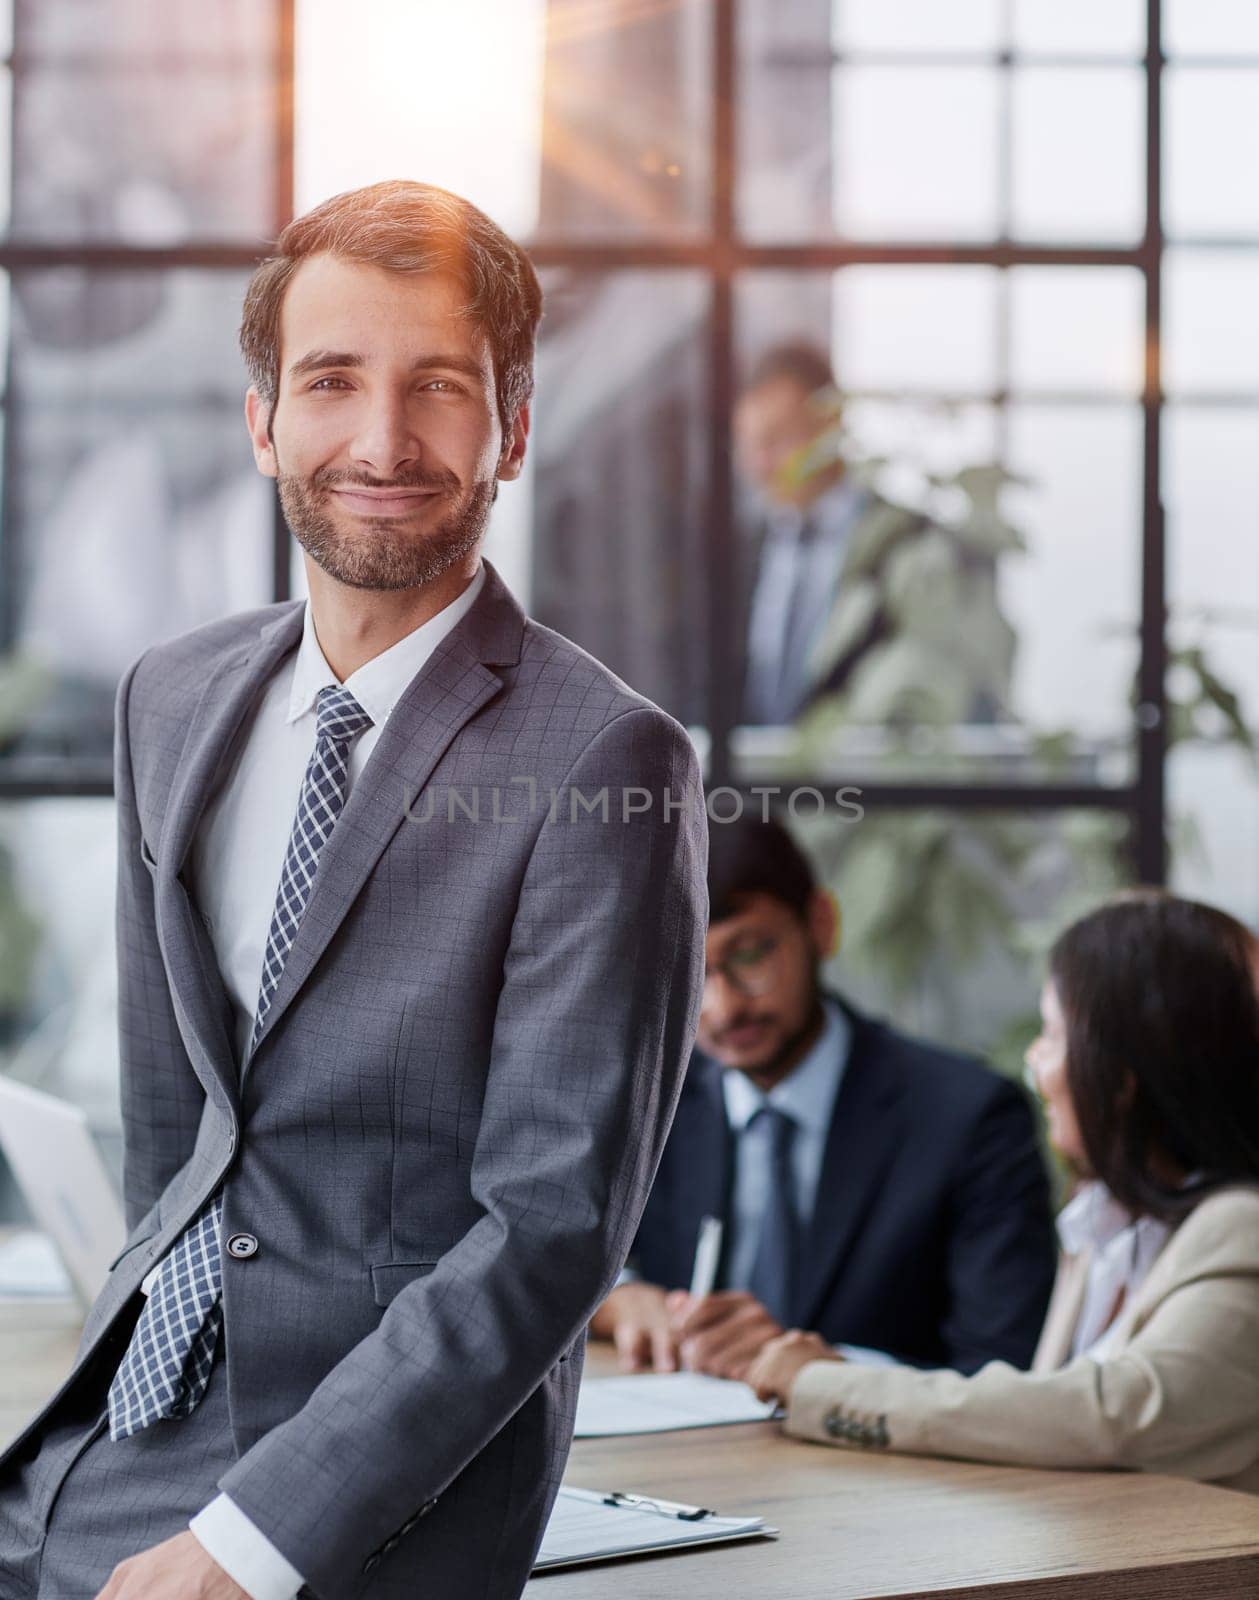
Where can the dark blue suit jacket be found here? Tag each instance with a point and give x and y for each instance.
(932, 1235)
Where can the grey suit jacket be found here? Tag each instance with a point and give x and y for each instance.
(448, 1129)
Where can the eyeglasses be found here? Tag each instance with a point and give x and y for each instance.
(751, 968)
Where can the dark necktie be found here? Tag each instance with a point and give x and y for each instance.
(775, 1268)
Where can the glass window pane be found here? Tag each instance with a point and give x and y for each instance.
(916, 152)
(914, 25)
(1079, 146)
(785, 132)
(135, 511)
(1212, 121)
(1211, 321)
(194, 30)
(626, 120)
(916, 328)
(983, 649)
(620, 441)
(1211, 489)
(948, 915)
(1210, 27)
(1051, 27)
(150, 156)
(359, 117)
(919, 446)
(1080, 513)
(6, 147)
(1076, 328)
(58, 984)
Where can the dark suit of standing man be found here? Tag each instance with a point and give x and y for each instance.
(880, 1191)
(389, 1130)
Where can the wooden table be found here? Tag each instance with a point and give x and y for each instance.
(853, 1526)
(856, 1525)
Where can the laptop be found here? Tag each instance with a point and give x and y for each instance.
(58, 1167)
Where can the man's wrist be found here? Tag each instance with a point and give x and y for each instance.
(248, 1557)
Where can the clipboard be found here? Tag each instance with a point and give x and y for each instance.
(589, 1526)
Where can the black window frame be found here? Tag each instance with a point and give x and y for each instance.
(723, 256)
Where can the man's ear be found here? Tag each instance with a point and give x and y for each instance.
(258, 421)
(511, 462)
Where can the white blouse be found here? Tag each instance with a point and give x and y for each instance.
(1122, 1249)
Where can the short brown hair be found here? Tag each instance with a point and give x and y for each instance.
(796, 362)
(406, 227)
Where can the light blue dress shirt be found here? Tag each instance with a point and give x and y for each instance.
(807, 1096)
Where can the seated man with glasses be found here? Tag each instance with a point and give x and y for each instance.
(884, 1193)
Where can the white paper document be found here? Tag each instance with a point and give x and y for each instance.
(658, 1402)
(587, 1525)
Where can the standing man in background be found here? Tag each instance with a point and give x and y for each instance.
(849, 587)
(389, 1128)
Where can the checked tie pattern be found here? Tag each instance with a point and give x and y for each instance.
(167, 1364)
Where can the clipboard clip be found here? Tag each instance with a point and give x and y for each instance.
(665, 1508)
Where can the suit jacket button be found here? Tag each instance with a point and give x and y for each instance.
(242, 1246)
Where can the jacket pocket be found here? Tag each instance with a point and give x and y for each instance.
(390, 1278)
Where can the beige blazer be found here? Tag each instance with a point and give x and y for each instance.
(1178, 1391)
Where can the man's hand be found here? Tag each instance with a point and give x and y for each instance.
(721, 1334)
(179, 1569)
(778, 1365)
(635, 1317)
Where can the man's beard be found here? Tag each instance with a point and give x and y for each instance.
(382, 555)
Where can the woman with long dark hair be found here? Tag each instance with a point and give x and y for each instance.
(1148, 1065)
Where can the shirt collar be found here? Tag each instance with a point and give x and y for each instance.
(378, 684)
(1094, 1220)
(830, 515)
(807, 1094)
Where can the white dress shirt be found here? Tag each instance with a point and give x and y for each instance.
(1122, 1250)
(237, 858)
(807, 1095)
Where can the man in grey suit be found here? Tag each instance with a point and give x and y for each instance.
(389, 1130)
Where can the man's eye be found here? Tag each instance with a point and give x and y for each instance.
(329, 383)
(442, 385)
(750, 955)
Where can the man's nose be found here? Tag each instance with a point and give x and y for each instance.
(387, 438)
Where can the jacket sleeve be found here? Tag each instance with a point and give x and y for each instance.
(1002, 1248)
(595, 1018)
(1181, 1397)
(162, 1098)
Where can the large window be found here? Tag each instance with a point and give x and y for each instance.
(1023, 232)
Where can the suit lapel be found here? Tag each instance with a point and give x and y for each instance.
(446, 693)
(1065, 1304)
(864, 1133)
(221, 717)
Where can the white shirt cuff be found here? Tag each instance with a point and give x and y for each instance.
(248, 1557)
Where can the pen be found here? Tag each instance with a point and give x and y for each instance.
(707, 1257)
(666, 1508)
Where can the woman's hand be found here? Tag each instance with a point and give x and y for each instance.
(774, 1370)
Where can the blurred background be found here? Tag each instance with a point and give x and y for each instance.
(897, 425)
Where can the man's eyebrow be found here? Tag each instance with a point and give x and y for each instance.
(318, 360)
(467, 365)
(322, 360)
